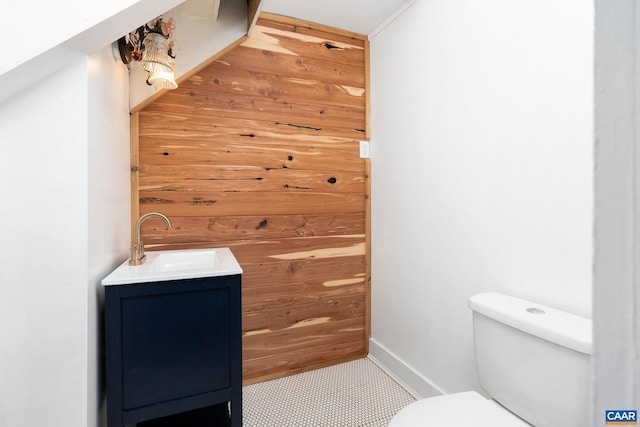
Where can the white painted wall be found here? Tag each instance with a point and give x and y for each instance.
(64, 216)
(43, 267)
(109, 204)
(617, 232)
(481, 173)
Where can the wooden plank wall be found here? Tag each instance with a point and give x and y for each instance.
(259, 151)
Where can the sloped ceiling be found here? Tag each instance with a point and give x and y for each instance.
(199, 9)
(205, 27)
(359, 16)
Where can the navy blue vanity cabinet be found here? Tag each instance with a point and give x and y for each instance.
(174, 347)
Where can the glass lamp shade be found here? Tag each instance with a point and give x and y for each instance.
(156, 60)
(163, 80)
(155, 57)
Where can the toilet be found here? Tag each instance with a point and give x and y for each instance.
(533, 361)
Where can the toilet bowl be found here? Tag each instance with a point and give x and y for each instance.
(534, 362)
(464, 409)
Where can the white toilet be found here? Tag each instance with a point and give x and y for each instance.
(534, 362)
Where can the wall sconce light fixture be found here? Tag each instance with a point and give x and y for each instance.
(152, 45)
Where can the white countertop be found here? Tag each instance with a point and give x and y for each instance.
(162, 266)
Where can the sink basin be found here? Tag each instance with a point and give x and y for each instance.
(175, 265)
(185, 260)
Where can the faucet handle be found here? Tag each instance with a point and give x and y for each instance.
(137, 254)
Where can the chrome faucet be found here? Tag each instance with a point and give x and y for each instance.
(137, 248)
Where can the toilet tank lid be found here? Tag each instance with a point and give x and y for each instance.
(559, 327)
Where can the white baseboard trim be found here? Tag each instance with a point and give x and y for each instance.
(416, 384)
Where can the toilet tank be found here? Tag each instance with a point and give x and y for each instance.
(532, 359)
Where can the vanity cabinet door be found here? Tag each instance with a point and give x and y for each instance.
(172, 347)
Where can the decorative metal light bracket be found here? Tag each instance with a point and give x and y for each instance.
(152, 45)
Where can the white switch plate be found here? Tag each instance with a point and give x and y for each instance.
(364, 150)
